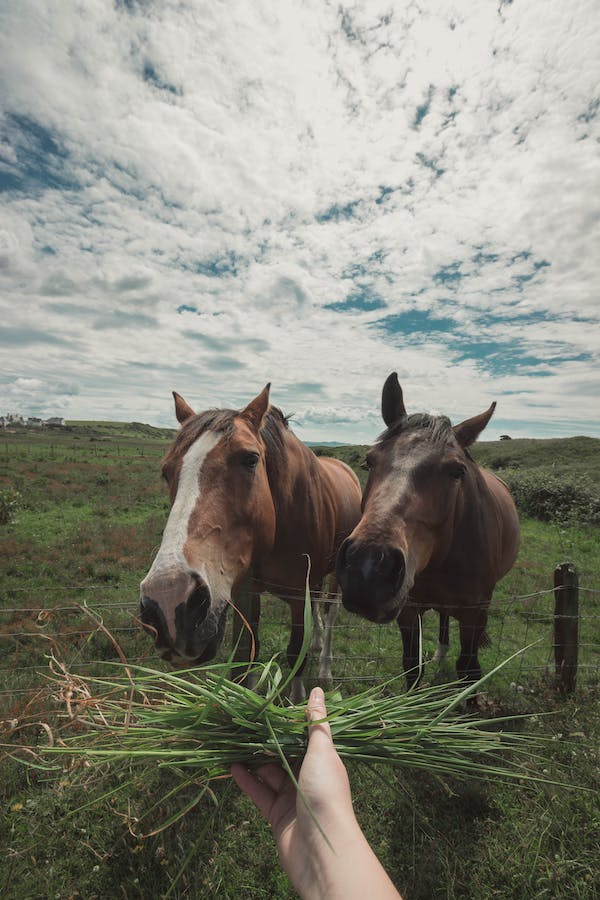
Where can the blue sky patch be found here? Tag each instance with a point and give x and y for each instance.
(482, 258)
(448, 276)
(424, 108)
(523, 256)
(591, 112)
(218, 266)
(361, 300)
(415, 321)
(430, 163)
(150, 75)
(41, 157)
(505, 358)
(384, 193)
(337, 212)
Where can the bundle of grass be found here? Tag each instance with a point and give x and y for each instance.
(196, 723)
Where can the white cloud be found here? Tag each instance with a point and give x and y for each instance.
(193, 194)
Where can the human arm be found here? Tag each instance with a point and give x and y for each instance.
(334, 860)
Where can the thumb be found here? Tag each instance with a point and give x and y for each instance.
(315, 711)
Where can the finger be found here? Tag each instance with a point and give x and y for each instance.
(315, 711)
(273, 775)
(260, 793)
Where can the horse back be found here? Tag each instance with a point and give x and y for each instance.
(317, 504)
(505, 519)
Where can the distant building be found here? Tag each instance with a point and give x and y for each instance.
(12, 419)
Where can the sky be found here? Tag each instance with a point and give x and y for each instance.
(209, 196)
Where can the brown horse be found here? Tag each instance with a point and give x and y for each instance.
(437, 531)
(249, 503)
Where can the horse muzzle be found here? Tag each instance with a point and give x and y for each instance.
(181, 621)
(372, 580)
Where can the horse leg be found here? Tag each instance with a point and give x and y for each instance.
(472, 630)
(443, 639)
(297, 691)
(317, 635)
(411, 658)
(332, 605)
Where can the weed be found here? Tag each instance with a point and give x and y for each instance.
(10, 500)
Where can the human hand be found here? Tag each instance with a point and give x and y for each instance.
(324, 785)
(331, 860)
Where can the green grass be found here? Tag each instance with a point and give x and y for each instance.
(91, 515)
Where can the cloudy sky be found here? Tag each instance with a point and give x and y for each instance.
(206, 196)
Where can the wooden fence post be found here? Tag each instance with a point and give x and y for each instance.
(566, 624)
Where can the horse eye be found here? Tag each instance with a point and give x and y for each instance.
(457, 471)
(366, 464)
(250, 460)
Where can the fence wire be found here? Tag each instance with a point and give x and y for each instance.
(362, 652)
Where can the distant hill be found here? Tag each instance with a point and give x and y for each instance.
(573, 455)
(559, 457)
(327, 444)
(119, 429)
(133, 429)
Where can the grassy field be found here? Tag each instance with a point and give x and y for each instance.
(89, 514)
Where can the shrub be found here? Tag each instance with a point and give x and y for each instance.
(9, 503)
(544, 495)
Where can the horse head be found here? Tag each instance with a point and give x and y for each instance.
(221, 522)
(419, 470)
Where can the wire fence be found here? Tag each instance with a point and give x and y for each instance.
(89, 624)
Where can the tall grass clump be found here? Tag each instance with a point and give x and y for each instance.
(194, 724)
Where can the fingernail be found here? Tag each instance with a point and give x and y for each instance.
(317, 695)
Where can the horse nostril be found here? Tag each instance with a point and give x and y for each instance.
(198, 602)
(150, 616)
(347, 554)
(392, 565)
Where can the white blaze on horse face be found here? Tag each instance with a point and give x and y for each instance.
(170, 554)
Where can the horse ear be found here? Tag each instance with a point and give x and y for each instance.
(256, 410)
(469, 430)
(392, 402)
(182, 410)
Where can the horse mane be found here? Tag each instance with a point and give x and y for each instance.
(273, 430)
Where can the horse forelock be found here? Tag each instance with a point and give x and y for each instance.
(221, 421)
(217, 420)
(436, 429)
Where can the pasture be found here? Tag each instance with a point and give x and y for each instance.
(88, 516)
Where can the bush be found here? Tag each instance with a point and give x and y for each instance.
(9, 503)
(544, 495)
